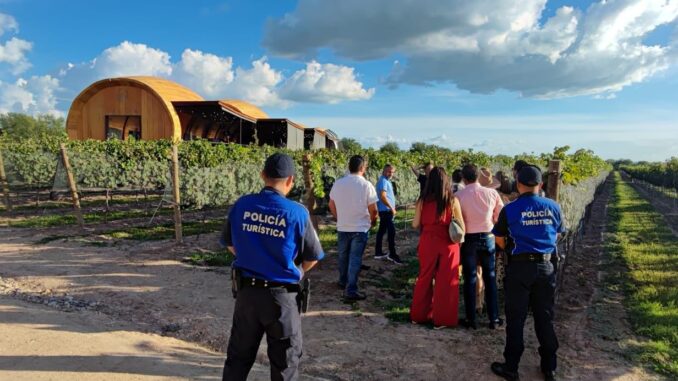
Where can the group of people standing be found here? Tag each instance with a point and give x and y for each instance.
(275, 244)
(494, 213)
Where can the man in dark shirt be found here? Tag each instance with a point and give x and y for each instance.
(274, 244)
(528, 230)
(422, 177)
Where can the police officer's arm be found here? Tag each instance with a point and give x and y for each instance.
(311, 250)
(226, 239)
(500, 230)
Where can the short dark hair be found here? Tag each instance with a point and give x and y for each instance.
(456, 175)
(519, 164)
(469, 172)
(355, 163)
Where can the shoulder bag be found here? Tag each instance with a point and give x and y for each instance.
(455, 230)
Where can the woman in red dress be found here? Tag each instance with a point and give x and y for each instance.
(436, 292)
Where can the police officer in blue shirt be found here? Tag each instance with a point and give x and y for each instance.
(528, 229)
(274, 244)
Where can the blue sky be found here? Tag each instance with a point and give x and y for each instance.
(493, 75)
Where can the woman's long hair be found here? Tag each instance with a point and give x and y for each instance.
(438, 189)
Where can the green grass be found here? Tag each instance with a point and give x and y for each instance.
(399, 286)
(166, 231)
(219, 258)
(650, 251)
(328, 233)
(50, 238)
(66, 203)
(328, 237)
(69, 218)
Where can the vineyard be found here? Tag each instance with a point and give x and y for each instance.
(663, 175)
(215, 175)
(126, 196)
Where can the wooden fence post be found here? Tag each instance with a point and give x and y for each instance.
(309, 196)
(72, 186)
(175, 194)
(5, 185)
(553, 186)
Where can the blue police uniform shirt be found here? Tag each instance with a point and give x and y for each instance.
(271, 236)
(531, 224)
(384, 184)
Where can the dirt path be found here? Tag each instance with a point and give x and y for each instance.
(41, 343)
(147, 286)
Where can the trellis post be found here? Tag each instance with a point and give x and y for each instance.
(309, 196)
(5, 184)
(176, 199)
(553, 186)
(72, 186)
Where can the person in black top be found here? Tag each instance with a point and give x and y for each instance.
(274, 244)
(422, 177)
(528, 230)
(517, 166)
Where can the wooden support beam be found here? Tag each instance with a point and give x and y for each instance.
(72, 186)
(309, 197)
(553, 186)
(176, 199)
(5, 185)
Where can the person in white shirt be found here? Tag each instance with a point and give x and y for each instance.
(353, 203)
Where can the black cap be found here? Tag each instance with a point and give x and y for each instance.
(529, 175)
(279, 166)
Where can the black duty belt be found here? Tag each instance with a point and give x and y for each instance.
(530, 257)
(261, 283)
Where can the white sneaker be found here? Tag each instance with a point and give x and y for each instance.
(383, 255)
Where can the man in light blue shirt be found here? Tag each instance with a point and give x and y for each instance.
(387, 211)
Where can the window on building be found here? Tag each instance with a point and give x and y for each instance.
(123, 126)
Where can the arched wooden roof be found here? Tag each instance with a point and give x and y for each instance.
(245, 108)
(166, 91)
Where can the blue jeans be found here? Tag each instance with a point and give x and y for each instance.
(479, 248)
(530, 285)
(351, 246)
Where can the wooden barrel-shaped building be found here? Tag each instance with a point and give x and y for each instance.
(129, 106)
(155, 108)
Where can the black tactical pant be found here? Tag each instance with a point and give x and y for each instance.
(264, 310)
(530, 284)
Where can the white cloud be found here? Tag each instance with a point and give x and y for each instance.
(486, 45)
(8, 23)
(13, 51)
(216, 77)
(207, 73)
(35, 95)
(258, 84)
(132, 59)
(324, 83)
